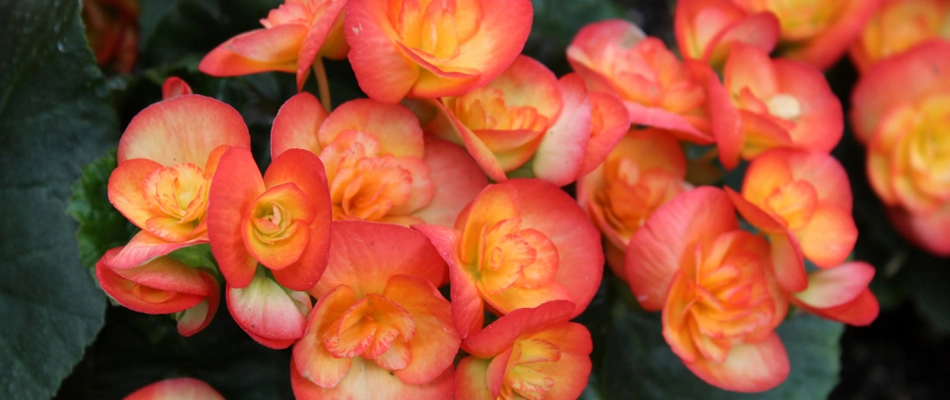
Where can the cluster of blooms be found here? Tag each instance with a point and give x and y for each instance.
(370, 207)
(901, 112)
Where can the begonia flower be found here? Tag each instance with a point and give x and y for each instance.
(816, 32)
(281, 220)
(112, 31)
(429, 48)
(841, 294)
(643, 172)
(899, 25)
(524, 114)
(782, 103)
(658, 90)
(380, 329)
(379, 165)
(162, 285)
(531, 353)
(176, 389)
(901, 109)
(294, 36)
(802, 201)
(519, 244)
(706, 29)
(270, 314)
(715, 286)
(166, 159)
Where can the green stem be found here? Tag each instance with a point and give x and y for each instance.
(324, 88)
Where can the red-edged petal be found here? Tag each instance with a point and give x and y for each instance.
(436, 341)
(270, 315)
(836, 286)
(479, 151)
(236, 183)
(178, 389)
(382, 71)
(609, 122)
(305, 171)
(318, 34)
(755, 215)
(829, 238)
(169, 132)
(175, 286)
(223, 61)
(559, 157)
(393, 125)
(311, 358)
(194, 319)
(366, 254)
(749, 367)
(788, 261)
(296, 125)
(457, 180)
(861, 311)
(145, 246)
(501, 334)
(660, 118)
(175, 87)
(760, 30)
(367, 381)
(658, 247)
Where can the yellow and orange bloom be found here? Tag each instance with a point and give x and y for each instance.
(902, 109)
(816, 32)
(715, 286)
(429, 48)
(899, 25)
(659, 90)
(706, 29)
(802, 201)
(782, 103)
(643, 172)
(381, 329)
(162, 285)
(270, 314)
(112, 30)
(840, 294)
(379, 165)
(519, 244)
(294, 35)
(524, 113)
(167, 156)
(281, 220)
(178, 389)
(531, 353)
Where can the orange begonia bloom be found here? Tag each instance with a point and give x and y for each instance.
(519, 244)
(899, 25)
(706, 29)
(167, 157)
(162, 285)
(381, 329)
(816, 32)
(525, 113)
(715, 286)
(178, 389)
(658, 90)
(294, 35)
(782, 103)
(643, 172)
(802, 201)
(531, 353)
(433, 48)
(379, 165)
(902, 108)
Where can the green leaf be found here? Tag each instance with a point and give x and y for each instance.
(54, 118)
(929, 278)
(640, 365)
(101, 226)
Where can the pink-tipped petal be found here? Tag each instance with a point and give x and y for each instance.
(499, 335)
(861, 311)
(749, 367)
(297, 124)
(829, 238)
(436, 341)
(194, 319)
(559, 157)
(267, 313)
(367, 381)
(235, 185)
(175, 87)
(145, 246)
(836, 286)
(178, 389)
(788, 261)
(383, 72)
(610, 120)
(457, 180)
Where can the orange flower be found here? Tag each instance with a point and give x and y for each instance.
(902, 108)
(167, 157)
(643, 172)
(706, 29)
(112, 30)
(802, 202)
(524, 114)
(714, 284)
(379, 319)
(379, 165)
(782, 103)
(899, 25)
(294, 35)
(532, 353)
(162, 285)
(429, 48)
(178, 388)
(658, 90)
(519, 244)
(816, 32)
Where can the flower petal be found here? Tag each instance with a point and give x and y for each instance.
(502, 333)
(236, 183)
(836, 286)
(749, 367)
(297, 124)
(560, 155)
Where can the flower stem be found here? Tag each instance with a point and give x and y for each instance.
(324, 88)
